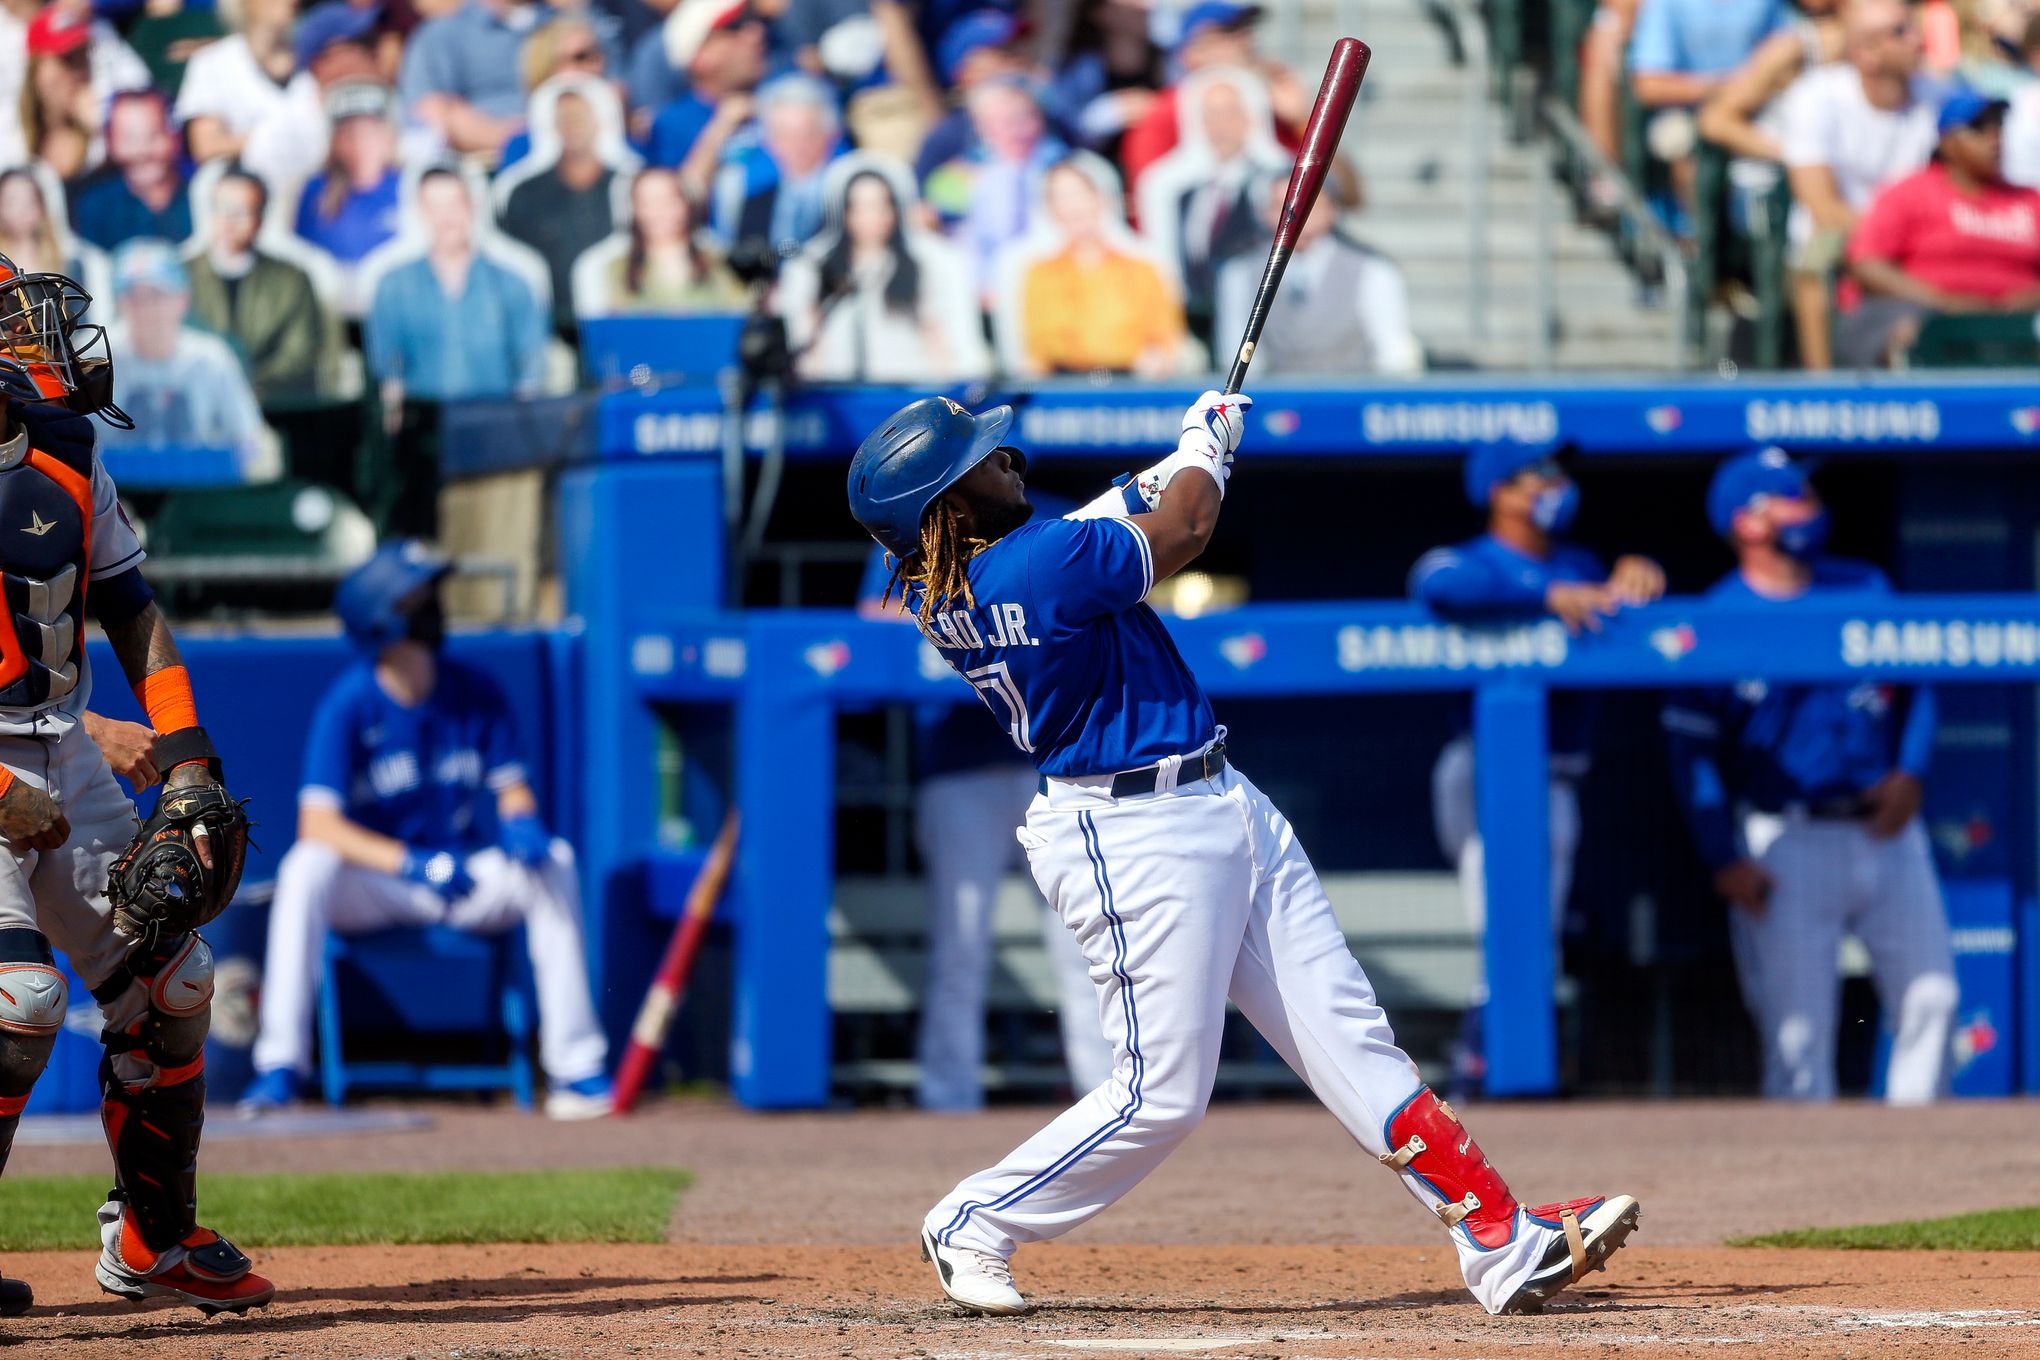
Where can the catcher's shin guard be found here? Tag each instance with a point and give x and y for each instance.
(1427, 1141)
(32, 998)
(152, 1084)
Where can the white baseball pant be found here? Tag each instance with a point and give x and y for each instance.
(62, 892)
(1457, 823)
(1181, 899)
(1831, 878)
(965, 825)
(317, 891)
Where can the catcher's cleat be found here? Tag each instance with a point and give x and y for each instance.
(1589, 1232)
(16, 1297)
(976, 1280)
(204, 1270)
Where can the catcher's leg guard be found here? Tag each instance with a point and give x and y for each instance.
(32, 997)
(152, 1082)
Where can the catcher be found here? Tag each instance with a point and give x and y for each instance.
(123, 905)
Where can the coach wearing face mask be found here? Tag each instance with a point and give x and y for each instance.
(1520, 571)
(1805, 802)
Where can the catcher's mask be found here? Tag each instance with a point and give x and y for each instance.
(42, 328)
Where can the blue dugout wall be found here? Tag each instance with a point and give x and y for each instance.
(645, 566)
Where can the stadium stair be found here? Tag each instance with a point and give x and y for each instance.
(1410, 136)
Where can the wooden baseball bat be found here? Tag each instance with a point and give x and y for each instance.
(1343, 74)
(669, 984)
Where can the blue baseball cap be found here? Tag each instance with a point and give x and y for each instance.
(979, 28)
(1214, 14)
(1768, 471)
(1966, 108)
(336, 21)
(1492, 462)
(146, 262)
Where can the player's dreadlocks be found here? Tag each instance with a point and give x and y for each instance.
(940, 565)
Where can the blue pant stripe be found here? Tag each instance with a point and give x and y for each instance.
(1103, 880)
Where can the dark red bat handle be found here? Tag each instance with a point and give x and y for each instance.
(1335, 97)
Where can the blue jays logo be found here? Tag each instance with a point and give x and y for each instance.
(1961, 837)
(1974, 1037)
(1673, 643)
(1243, 649)
(1663, 419)
(826, 658)
(2026, 419)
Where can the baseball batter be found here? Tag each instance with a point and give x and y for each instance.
(1521, 568)
(974, 789)
(1183, 884)
(1805, 802)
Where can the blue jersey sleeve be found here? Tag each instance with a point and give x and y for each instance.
(1916, 743)
(1459, 585)
(1089, 567)
(502, 762)
(329, 752)
(1694, 721)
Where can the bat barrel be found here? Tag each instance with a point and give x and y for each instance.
(1341, 86)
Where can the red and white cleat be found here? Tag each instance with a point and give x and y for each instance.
(1588, 1231)
(205, 1270)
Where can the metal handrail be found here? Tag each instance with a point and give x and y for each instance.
(1563, 125)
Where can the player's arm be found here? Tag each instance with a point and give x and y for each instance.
(1693, 725)
(129, 748)
(1176, 512)
(1896, 798)
(1459, 585)
(325, 824)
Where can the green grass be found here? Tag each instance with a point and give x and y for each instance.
(1991, 1230)
(631, 1204)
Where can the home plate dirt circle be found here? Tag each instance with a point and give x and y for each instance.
(1309, 1302)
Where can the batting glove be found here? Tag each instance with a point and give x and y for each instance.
(526, 840)
(440, 870)
(1212, 429)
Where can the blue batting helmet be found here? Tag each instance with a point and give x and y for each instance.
(904, 464)
(368, 598)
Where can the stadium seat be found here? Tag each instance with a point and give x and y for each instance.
(427, 984)
(1991, 341)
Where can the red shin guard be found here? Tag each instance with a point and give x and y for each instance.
(1427, 1139)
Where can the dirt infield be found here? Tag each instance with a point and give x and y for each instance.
(828, 1301)
(1268, 1234)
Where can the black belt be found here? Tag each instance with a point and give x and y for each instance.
(1148, 778)
(1850, 807)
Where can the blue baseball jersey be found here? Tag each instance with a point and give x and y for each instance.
(1080, 673)
(1485, 581)
(953, 738)
(425, 775)
(1773, 747)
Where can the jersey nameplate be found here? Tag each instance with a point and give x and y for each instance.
(961, 630)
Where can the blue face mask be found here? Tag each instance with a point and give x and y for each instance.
(1555, 507)
(1805, 539)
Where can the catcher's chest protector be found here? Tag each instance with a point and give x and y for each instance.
(45, 547)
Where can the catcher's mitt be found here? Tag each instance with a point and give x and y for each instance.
(159, 887)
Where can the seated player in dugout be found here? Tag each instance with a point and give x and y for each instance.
(1805, 801)
(1184, 885)
(122, 903)
(1520, 568)
(415, 810)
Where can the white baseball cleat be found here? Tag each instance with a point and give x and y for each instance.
(976, 1280)
(1588, 1232)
